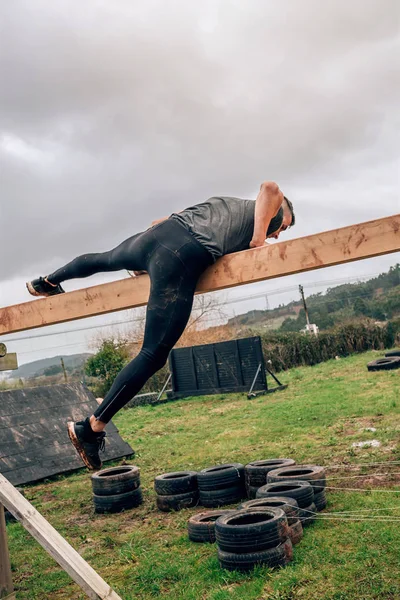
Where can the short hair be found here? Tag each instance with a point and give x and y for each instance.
(290, 206)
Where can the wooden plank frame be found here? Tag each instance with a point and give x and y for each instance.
(69, 559)
(338, 246)
(6, 585)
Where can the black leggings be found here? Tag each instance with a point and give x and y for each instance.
(174, 260)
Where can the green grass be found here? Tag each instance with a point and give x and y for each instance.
(145, 554)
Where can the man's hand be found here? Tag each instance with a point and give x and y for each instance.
(257, 243)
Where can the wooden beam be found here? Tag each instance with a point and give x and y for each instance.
(326, 249)
(6, 584)
(81, 572)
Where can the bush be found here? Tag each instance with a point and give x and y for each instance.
(106, 364)
(287, 350)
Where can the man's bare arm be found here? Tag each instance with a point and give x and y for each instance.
(268, 203)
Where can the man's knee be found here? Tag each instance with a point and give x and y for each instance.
(156, 356)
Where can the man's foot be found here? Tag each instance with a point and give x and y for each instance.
(42, 287)
(87, 442)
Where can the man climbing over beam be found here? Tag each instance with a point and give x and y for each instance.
(174, 252)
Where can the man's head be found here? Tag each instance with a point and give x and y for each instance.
(288, 218)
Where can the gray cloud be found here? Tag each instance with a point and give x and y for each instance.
(116, 113)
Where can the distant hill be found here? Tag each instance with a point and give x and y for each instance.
(39, 367)
(378, 298)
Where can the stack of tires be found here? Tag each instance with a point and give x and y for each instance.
(116, 489)
(390, 362)
(246, 538)
(176, 490)
(256, 472)
(221, 485)
(313, 474)
(289, 507)
(301, 491)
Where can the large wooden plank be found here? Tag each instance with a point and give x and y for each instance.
(347, 244)
(81, 572)
(6, 584)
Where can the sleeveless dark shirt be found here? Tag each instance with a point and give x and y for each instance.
(223, 224)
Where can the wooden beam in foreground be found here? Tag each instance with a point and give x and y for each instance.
(6, 584)
(81, 572)
(326, 249)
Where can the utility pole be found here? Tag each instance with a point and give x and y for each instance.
(64, 371)
(305, 305)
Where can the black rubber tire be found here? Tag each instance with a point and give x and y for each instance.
(201, 527)
(116, 480)
(314, 474)
(230, 495)
(175, 483)
(272, 557)
(320, 500)
(288, 505)
(220, 477)
(301, 491)
(295, 530)
(251, 530)
(251, 491)
(177, 501)
(307, 515)
(395, 352)
(384, 364)
(118, 502)
(256, 471)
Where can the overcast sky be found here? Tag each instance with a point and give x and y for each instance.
(117, 112)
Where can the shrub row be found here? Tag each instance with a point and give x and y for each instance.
(287, 350)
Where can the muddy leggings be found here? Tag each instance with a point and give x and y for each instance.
(174, 260)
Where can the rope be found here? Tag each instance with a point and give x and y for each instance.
(360, 465)
(363, 490)
(366, 475)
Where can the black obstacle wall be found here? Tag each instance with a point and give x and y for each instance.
(34, 443)
(217, 368)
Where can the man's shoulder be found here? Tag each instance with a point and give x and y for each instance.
(229, 199)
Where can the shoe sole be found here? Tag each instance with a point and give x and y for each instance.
(32, 290)
(78, 447)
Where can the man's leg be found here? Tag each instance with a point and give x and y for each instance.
(128, 255)
(168, 311)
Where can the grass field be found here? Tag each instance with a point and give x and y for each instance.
(145, 554)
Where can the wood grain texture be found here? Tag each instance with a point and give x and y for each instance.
(338, 246)
(81, 572)
(6, 584)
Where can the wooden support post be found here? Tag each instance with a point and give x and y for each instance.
(373, 238)
(80, 571)
(6, 584)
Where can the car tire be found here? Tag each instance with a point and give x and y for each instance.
(116, 480)
(301, 491)
(314, 474)
(244, 531)
(118, 502)
(175, 483)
